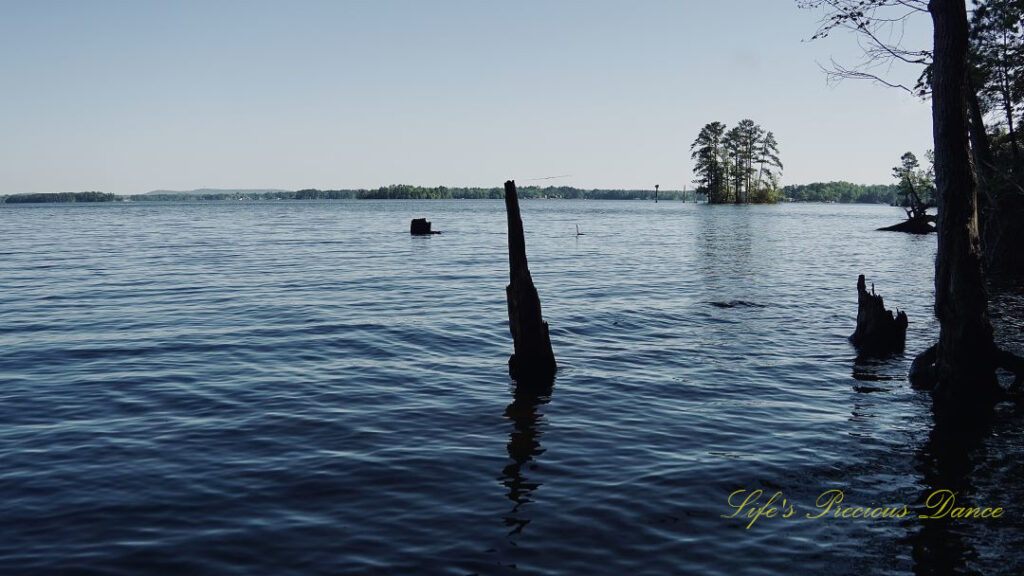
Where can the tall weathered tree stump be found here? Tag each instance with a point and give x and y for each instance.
(533, 360)
(879, 331)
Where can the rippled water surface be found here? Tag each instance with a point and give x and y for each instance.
(303, 388)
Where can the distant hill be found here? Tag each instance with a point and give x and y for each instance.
(215, 192)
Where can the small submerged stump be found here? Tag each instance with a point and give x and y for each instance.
(420, 227)
(533, 362)
(879, 331)
(913, 225)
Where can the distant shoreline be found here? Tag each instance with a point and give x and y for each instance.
(828, 192)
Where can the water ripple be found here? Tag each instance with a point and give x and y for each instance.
(302, 388)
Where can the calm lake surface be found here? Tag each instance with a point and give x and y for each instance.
(303, 388)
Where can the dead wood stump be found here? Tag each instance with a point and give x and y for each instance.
(420, 227)
(533, 360)
(879, 331)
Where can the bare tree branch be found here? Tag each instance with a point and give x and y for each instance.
(837, 73)
(880, 26)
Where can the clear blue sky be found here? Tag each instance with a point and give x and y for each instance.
(132, 95)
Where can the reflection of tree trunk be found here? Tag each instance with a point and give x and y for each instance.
(965, 363)
(523, 446)
(945, 464)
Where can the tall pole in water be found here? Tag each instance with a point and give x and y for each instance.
(656, 193)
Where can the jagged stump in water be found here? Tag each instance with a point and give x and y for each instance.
(533, 361)
(879, 331)
(420, 227)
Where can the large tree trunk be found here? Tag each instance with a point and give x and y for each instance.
(965, 355)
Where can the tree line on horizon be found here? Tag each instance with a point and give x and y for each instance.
(410, 192)
(832, 192)
(392, 192)
(841, 192)
(44, 197)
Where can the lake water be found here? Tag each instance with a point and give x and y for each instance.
(303, 388)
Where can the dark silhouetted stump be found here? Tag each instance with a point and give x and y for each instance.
(420, 227)
(913, 225)
(879, 331)
(533, 362)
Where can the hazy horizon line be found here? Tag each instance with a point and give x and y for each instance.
(267, 190)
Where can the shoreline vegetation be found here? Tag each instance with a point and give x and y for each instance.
(832, 192)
